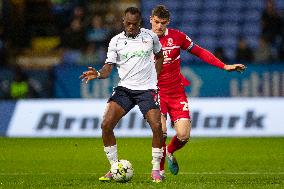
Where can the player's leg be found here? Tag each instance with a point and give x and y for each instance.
(163, 108)
(164, 129)
(182, 128)
(112, 115)
(153, 117)
(149, 106)
(118, 105)
(179, 113)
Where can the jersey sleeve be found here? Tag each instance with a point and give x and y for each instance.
(156, 44)
(207, 56)
(111, 53)
(186, 42)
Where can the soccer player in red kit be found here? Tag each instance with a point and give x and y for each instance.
(171, 83)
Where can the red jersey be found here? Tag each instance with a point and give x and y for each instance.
(172, 42)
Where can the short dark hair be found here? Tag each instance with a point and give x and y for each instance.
(132, 10)
(161, 11)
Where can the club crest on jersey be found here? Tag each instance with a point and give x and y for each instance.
(170, 42)
(144, 41)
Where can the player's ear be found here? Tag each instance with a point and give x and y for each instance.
(151, 19)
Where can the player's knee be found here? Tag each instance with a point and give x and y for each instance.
(106, 126)
(157, 128)
(183, 136)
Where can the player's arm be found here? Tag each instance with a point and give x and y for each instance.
(92, 73)
(105, 71)
(209, 58)
(159, 59)
(158, 52)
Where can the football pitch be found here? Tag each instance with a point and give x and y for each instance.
(204, 163)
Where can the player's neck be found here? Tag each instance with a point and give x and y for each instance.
(134, 35)
(164, 34)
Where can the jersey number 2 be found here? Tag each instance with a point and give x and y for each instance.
(185, 106)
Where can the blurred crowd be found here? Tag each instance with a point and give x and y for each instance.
(83, 28)
(270, 43)
(78, 32)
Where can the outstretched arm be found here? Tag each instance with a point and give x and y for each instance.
(92, 73)
(209, 58)
(235, 67)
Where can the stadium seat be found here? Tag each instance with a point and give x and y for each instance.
(232, 16)
(252, 41)
(210, 42)
(176, 6)
(212, 16)
(213, 5)
(147, 6)
(190, 16)
(233, 4)
(192, 32)
(230, 53)
(228, 41)
(192, 5)
(251, 28)
(253, 15)
(254, 4)
(218, 22)
(208, 28)
(229, 28)
(279, 4)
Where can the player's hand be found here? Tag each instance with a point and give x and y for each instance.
(89, 75)
(235, 67)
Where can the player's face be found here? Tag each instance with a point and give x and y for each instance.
(131, 24)
(159, 25)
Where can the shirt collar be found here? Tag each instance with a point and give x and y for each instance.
(134, 36)
(167, 32)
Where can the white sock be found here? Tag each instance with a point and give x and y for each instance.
(157, 154)
(111, 153)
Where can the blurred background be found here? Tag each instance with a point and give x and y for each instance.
(46, 44)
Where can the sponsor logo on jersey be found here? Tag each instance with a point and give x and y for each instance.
(145, 41)
(140, 53)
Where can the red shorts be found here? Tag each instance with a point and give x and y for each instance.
(175, 104)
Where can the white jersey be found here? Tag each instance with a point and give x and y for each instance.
(133, 58)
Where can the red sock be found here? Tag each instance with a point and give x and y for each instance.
(162, 164)
(176, 144)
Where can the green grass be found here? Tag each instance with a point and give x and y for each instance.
(204, 163)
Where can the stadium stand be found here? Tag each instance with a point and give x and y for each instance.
(215, 23)
(33, 38)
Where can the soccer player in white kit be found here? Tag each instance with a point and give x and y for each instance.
(131, 51)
